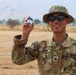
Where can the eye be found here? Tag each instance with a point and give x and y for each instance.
(60, 18)
(52, 19)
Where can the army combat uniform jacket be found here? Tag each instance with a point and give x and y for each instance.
(52, 59)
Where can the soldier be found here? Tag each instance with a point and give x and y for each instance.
(55, 55)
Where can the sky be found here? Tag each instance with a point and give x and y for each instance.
(34, 8)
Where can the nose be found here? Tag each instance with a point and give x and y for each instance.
(56, 20)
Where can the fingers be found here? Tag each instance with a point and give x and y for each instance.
(25, 23)
(32, 24)
(29, 27)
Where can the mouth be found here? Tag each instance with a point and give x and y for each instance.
(56, 26)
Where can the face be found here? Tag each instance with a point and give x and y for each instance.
(58, 23)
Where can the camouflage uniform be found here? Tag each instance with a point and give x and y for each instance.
(49, 56)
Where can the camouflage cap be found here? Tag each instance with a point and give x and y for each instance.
(57, 9)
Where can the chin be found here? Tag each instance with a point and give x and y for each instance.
(57, 31)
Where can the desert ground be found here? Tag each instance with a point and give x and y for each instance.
(7, 67)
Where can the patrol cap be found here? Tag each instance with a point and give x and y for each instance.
(57, 9)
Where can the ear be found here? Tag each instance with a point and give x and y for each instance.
(68, 20)
(49, 22)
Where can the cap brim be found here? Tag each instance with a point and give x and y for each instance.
(46, 17)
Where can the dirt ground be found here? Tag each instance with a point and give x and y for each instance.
(6, 42)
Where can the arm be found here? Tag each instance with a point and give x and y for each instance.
(71, 56)
(22, 54)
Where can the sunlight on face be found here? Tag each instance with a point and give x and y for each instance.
(57, 26)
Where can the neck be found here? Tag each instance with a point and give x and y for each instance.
(60, 37)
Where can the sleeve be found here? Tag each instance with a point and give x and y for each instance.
(22, 54)
(72, 60)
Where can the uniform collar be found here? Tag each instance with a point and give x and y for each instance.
(66, 43)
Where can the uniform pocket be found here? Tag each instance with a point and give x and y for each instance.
(45, 59)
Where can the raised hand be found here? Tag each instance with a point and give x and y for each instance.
(26, 29)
